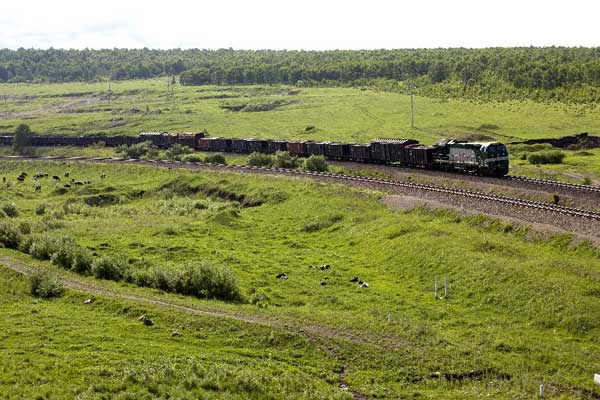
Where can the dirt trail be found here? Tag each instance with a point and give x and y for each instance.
(320, 335)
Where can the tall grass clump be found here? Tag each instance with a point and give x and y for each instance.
(10, 209)
(43, 284)
(546, 157)
(10, 234)
(260, 160)
(110, 267)
(43, 247)
(205, 280)
(191, 158)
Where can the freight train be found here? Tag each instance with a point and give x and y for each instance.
(488, 159)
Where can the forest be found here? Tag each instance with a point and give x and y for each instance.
(551, 73)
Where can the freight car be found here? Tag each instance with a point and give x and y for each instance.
(489, 159)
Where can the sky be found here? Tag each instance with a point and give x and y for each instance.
(300, 24)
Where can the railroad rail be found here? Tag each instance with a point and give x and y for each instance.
(550, 182)
(513, 202)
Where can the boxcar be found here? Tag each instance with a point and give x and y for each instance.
(274, 146)
(297, 148)
(360, 152)
(317, 148)
(6, 140)
(418, 155)
(336, 150)
(257, 145)
(389, 150)
(239, 145)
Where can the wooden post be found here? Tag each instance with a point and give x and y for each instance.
(597, 379)
(542, 390)
(435, 286)
(445, 286)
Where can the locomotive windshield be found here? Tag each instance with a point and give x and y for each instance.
(496, 150)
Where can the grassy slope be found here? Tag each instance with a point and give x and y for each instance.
(518, 306)
(338, 114)
(61, 348)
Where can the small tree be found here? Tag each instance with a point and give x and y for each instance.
(22, 140)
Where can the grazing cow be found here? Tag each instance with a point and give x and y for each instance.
(56, 178)
(102, 176)
(87, 182)
(37, 187)
(281, 276)
(355, 279)
(67, 185)
(324, 267)
(3, 179)
(364, 285)
(67, 174)
(78, 183)
(20, 178)
(24, 173)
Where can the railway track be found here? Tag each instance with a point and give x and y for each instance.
(549, 182)
(378, 182)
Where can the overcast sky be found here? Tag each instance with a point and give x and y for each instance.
(300, 24)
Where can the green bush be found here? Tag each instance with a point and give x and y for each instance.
(205, 280)
(72, 256)
(109, 267)
(137, 151)
(191, 158)
(316, 164)
(44, 246)
(10, 235)
(176, 151)
(10, 209)
(44, 285)
(546, 157)
(260, 160)
(216, 159)
(283, 159)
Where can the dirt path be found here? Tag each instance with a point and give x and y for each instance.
(319, 335)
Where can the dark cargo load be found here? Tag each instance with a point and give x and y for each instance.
(417, 154)
(257, 145)
(297, 148)
(337, 150)
(239, 145)
(360, 152)
(277, 145)
(316, 148)
(390, 150)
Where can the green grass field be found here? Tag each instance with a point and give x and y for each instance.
(523, 309)
(335, 113)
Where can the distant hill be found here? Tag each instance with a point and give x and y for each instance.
(553, 73)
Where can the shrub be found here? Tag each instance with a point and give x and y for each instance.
(205, 280)
(176, 151)
(191, 158)
(546, 157)
(82, 261)
(283, 159)
(10, 209)
(216, 159)
(40, 209)
(10, 235)
(316, 164)
(260, 160)
(137, 151)
(44, 285)
(44, 246)
(108, 267)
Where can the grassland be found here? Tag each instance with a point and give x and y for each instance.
(523, 309)
(335, 113)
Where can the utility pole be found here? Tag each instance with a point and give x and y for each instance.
(412, 104)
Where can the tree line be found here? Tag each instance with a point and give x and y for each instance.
(562, 73)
